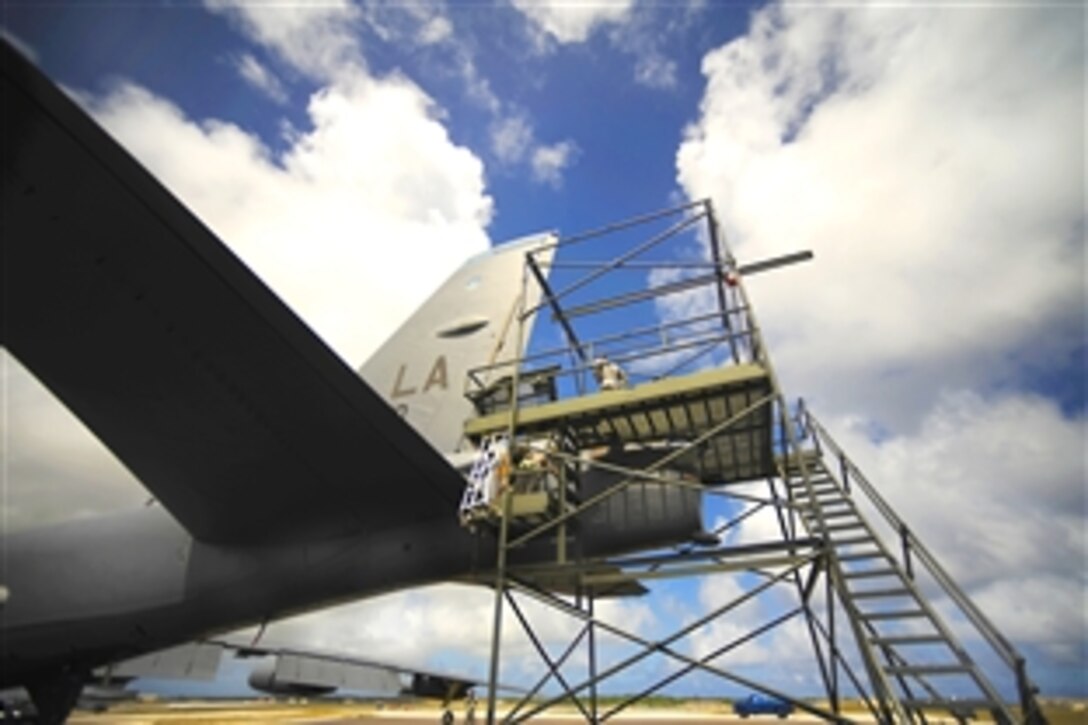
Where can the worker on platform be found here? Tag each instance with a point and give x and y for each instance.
(608, 374)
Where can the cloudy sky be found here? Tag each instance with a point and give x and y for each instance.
(354, 152)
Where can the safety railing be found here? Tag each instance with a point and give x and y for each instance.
(673, 313)
(913, 550)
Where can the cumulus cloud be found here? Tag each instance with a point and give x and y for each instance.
(549, 162)
(571, 22)
(258, 76)
(513, 141)
(315, 38)
(994, 489)
(656, 71)
(511, 138)
(421, 22)
(932, 159)
(376, 185)
(441, 626)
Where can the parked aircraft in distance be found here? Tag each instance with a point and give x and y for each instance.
(282, 671)
(286, 481)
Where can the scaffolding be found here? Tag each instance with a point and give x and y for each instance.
(662, 377)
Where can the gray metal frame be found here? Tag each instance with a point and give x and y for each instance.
(816, 544)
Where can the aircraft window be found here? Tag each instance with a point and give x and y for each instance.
(463, 328)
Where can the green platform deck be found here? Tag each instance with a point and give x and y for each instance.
(673, 411)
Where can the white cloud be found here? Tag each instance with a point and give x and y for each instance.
(427, 27)
(655, 71)
(511, 138)
(315, 38)
(374, 201)
(260, 78)
(1003, 483)
(996, 489)
(932, 159)
(513, 142)
(435, 30)
(420, 22)
(548, 162)
(573, 22)
(447, 627)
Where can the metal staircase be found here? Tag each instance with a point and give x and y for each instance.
(918, 656)
(919, 661)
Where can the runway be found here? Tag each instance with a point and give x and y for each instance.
(206, 713)
(237, 712)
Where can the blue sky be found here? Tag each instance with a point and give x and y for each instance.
(933, 158)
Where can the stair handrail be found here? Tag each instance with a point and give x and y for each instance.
(1005, 649)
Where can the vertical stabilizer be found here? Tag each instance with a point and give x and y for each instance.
(469, 321)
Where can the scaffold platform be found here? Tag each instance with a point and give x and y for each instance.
(674, 410)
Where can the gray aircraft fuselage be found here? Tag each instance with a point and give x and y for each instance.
(100, 589)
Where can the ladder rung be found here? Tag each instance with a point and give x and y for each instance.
(799, 483)
(948, 669)
(864, 556)
(847, 526)
(900, 639)
(832, 514)
(876, 593)
(852, 540)
(899, 614)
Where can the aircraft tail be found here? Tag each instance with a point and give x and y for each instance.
(469, 321)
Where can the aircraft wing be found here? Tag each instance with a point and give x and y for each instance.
(293, 669)
(293, 666)
(199, 378)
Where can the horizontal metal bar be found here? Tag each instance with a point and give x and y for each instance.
(620, 225)
(880, 593)
(904, 614)
(638, 266)
(768, 562)
(613, 264)
(630, 298)
(774, 262)
(902, 639)
(949, 669)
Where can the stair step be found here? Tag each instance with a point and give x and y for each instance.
(846, 526)
(864, 556)
(878, 593)
(817, 483)
(838, 512)
(897, 614)
(849, 540)
(947, 669)
(901, 639)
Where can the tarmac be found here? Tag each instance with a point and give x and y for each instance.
(206, 713)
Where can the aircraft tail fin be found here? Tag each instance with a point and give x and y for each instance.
(469, 321)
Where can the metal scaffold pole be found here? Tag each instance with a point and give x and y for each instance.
(702, 418)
